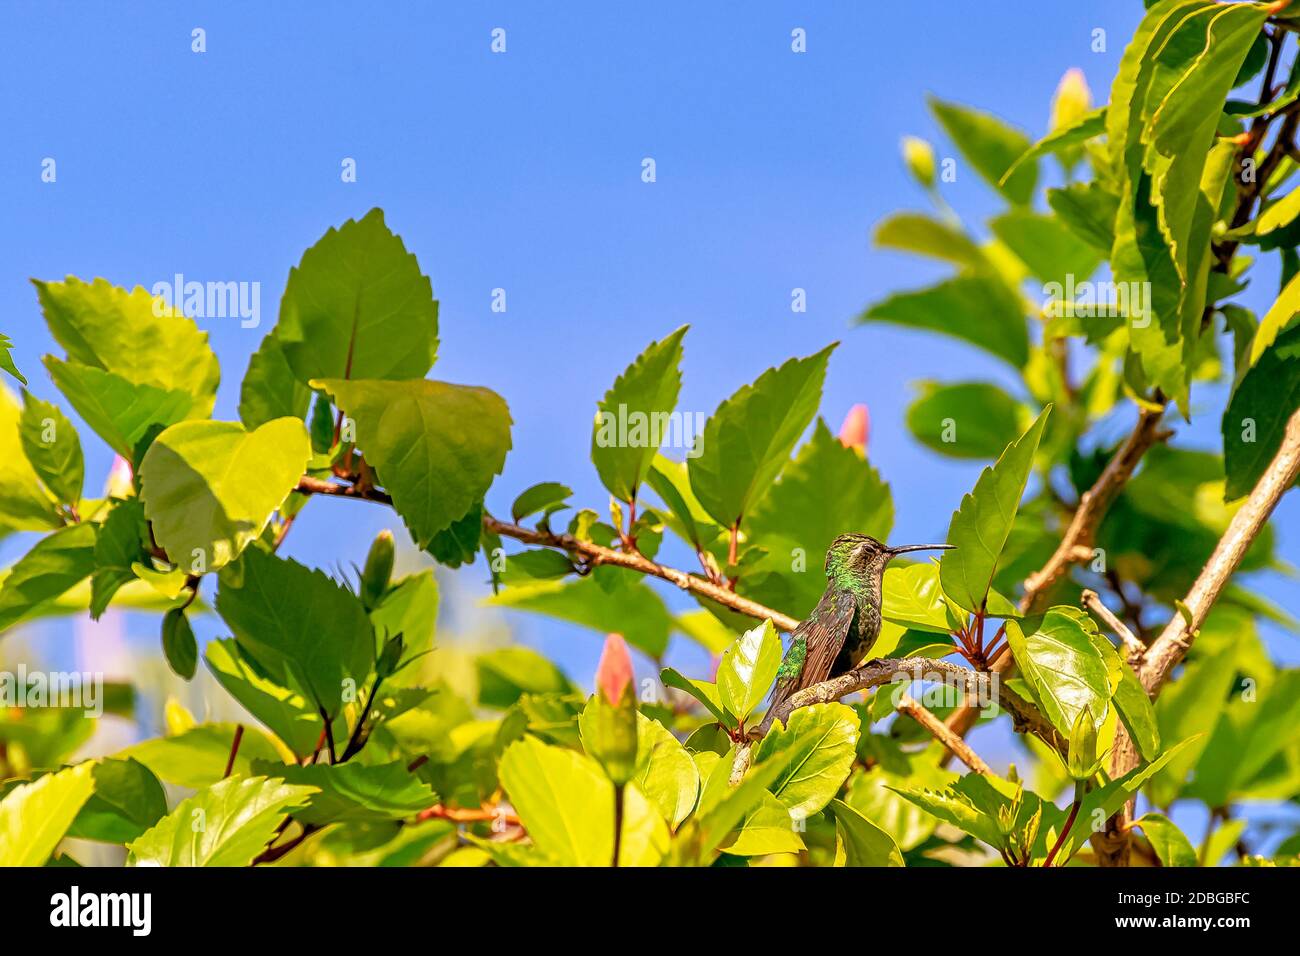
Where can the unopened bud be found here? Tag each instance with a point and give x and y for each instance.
(919, 156)
(379, 568)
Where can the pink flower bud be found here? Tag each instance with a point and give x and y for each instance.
(614, 672)
(856, 428)
(119, 483)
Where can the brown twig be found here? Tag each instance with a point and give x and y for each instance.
(985, 686)
(234, 750)
(907, 704)
(589, 552)
(458, 815)
(1092, 601)
(1166, 651)
(593, 554)
(308, 485)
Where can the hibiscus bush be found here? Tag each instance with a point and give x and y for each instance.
(1099, 601)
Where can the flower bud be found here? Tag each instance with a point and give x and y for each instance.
(919, 156)
(1082, 762)
(1072, 99)
(856, 428)
(379, 568)
(614, 672)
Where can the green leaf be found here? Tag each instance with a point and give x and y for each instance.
(1138, 714)
(506, 674)
(131, 335)
(209, 488)
(1221, 841)
(227, 824)
(748, 668)
(1255, 420)
(792, 520)
(821, 741)
(566, 804)
(965, 419)
(665, 772)
(685, 515)
(54, 565)
(724, 807)
(121, 412)
(410, 608)
(1279, 213)
(703, 691)
(1088, 210)
(53, 448)
(1277, 318)
(860, 842)
(1166, 44)
(354, 792)
(285, 712)
(748, 439)
(435, 446)
(1189, 708)
(127, 800)
(990, 146)
(270, 390)
(24, 504)
(1056, 653)
(911, 597)
(459, 542)
(979, 309)
(35, 816)
(118, 548)
(1183, 127)
(198, 756)
(927, 236)
(1083, 128)
(540, 497)
(632, 609)
(357, 307)
(768, 828)
(632, 420)
(1171, 846)
(1047, 247)
(7, 359)
(956, 807)
(981, 526)
(305, 630)
(179, 646)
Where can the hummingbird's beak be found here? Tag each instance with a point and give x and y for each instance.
(904, 548)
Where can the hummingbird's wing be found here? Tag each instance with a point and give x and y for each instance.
(817, 641)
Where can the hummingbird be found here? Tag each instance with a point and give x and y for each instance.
(841, 630)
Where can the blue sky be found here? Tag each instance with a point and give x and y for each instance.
(522, 171)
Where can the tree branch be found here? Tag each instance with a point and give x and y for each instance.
(1158, 661)
(985, 686)
(909, 705)
(1135, 648)
(589, 552)
(595, 554)
(308, 485)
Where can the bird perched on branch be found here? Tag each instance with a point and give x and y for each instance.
(841, 630)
